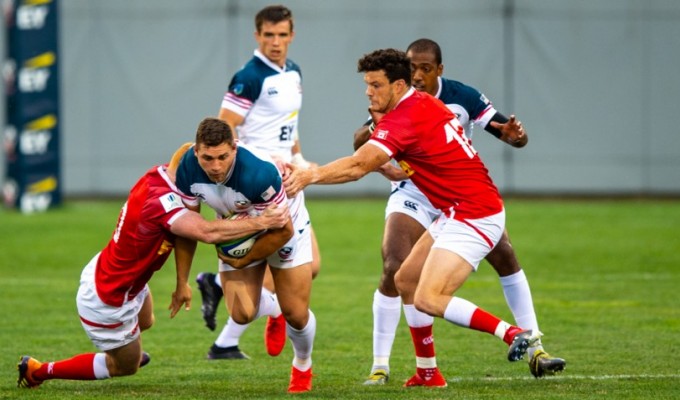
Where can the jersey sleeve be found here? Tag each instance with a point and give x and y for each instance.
(243, 90)
(171, 208)
(479, 107)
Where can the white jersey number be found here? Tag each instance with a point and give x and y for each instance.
(454, 131)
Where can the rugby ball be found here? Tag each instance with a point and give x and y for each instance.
(237, 248)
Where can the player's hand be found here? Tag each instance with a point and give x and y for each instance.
(274, 217)
(181, 296)
(297, 179)
(237, 263)
(512, 132)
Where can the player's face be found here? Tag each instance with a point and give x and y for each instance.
(274, 39)
(424, 72)
(382, 95)
(216, 161)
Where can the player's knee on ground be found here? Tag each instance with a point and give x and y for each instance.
(123, 368)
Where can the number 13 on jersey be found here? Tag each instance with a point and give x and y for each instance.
(454, 131)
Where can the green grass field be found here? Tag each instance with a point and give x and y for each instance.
(605, 277)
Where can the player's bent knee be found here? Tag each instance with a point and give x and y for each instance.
(425, 304)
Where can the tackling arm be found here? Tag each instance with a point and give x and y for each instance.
(193, 226)
(265, 245)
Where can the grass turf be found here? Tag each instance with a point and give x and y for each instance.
(604, 276)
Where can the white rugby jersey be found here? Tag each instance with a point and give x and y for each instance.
(269, 98)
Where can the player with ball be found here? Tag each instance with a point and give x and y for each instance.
(232, 178)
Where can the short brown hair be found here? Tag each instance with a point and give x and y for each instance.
(394, 62)
(274, 14)
(213, 132)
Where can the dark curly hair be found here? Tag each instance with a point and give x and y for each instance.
(394, 62)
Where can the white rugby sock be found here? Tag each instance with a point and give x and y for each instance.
(303, 342)
(386, 315)
(518, 296)
(231, 333)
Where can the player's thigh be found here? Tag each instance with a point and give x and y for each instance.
(293, 288)
(443, 273)
(316, 254)
(402, 232)
(242, 289)
(146, 317)
(503, 258)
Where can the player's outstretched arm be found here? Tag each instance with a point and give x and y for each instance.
(346, 169)
(509, 130)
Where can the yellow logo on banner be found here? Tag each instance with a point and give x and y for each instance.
(46, 185)
(47, 122)
(41, 61)
(36, 2)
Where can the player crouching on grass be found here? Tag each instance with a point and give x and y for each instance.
(114, 301)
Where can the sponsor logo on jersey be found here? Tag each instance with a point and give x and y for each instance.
(407, 168)
(241, 205)
(285, 253)
(411, 205)
(484, 99)
(238, 89)
(269, 193)
(272, 91)
(170, 201)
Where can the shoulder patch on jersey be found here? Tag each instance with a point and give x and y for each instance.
(238, 89)
(484, 99)
(382, 133)
(170, 201)
(267, 194)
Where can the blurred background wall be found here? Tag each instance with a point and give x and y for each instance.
(594, 82)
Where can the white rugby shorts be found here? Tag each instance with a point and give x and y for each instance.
(471, 239)
(298, 250)
(108, 327)
(407, 199)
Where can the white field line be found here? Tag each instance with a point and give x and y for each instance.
(567, 377)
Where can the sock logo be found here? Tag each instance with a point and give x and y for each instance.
(50, 368)
(428, 340)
